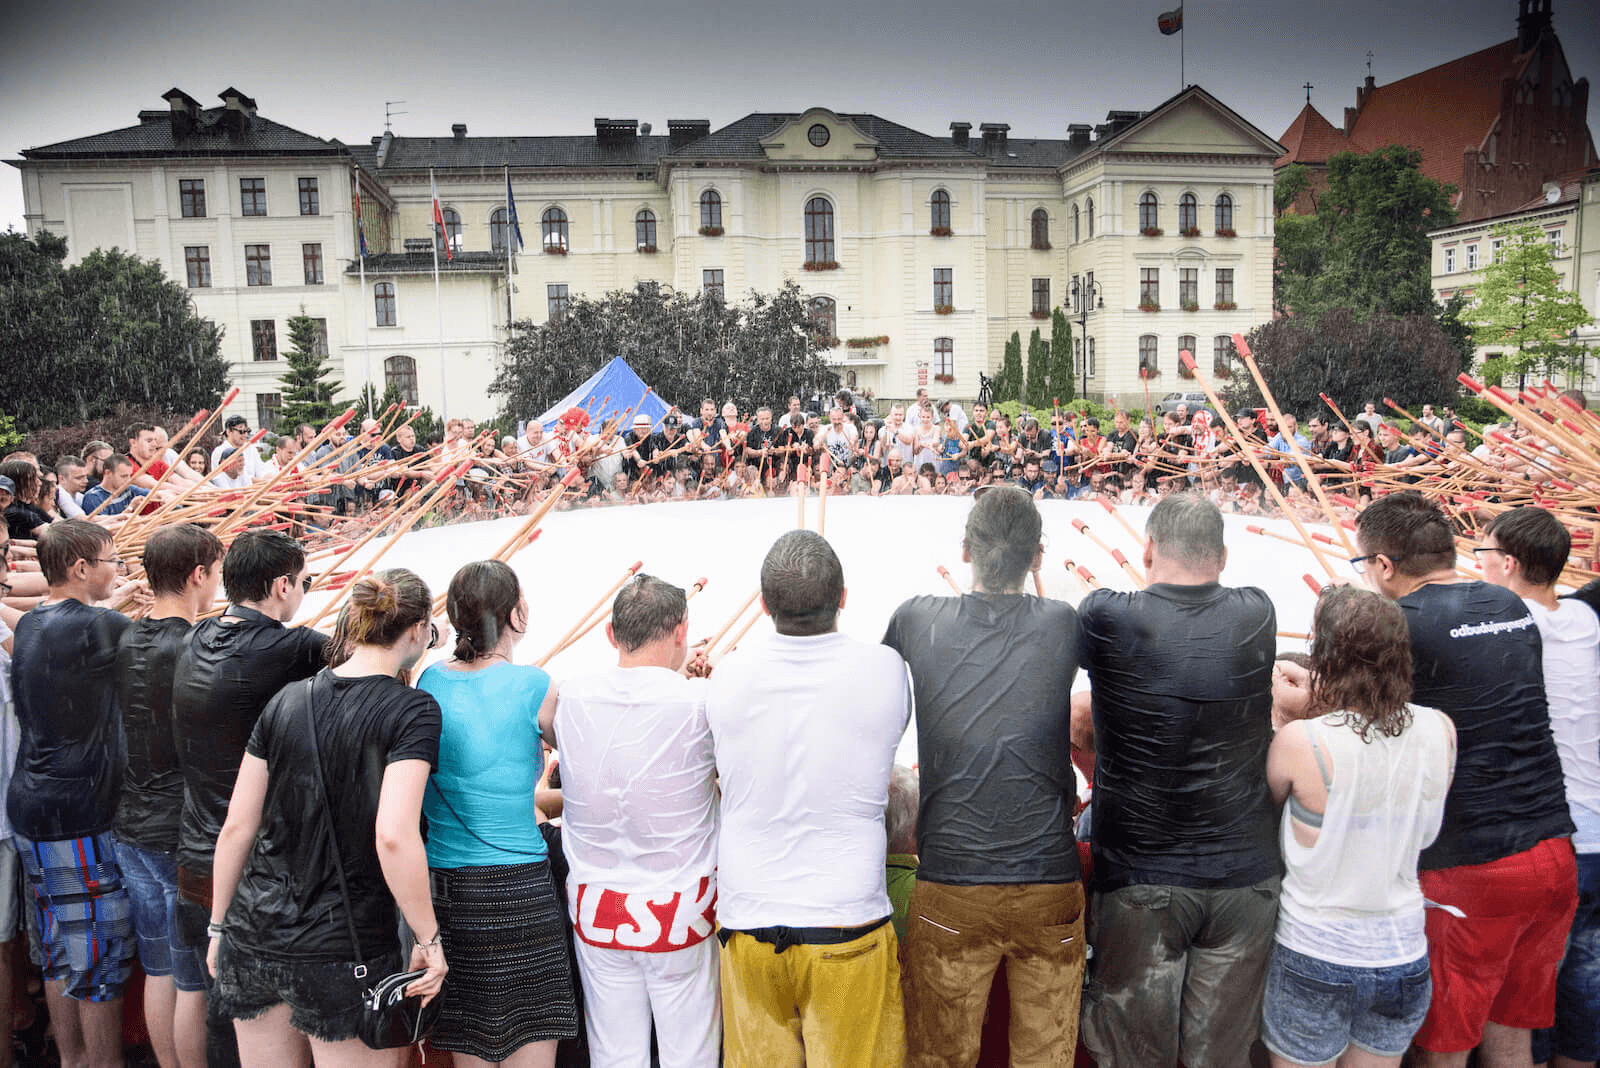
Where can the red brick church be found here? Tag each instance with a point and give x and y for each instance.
(1497, 124)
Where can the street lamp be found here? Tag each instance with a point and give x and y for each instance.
(1093, 294)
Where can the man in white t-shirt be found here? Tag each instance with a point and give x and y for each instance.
(235, 438)
(1525, 550)
(639, 829)
(810, 969)
(840, 437)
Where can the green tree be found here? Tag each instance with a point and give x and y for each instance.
(309, 395)
(1367, 246)
(109, 330)
(370, 405)
(1038, 392)
(1063, 382)
(685, 346)
(1009, 385)
(1521, 305)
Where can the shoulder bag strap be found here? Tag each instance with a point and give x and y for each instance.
(469, 830)
(327, 819)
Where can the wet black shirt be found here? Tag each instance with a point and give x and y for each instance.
(288, 903)
(992, 678)
(23, 520)
(226, 674)
(1477, 657)
(152, 789)
(70, 756)
(1182, 683)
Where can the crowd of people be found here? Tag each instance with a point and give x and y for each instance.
(1390, 844)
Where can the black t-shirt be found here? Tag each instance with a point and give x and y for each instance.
(1589, 595)
(227, 673)
(288, 903)
(1477, 657)
(70, 753)
(992, 678)
(152, 790)
(23, 520)
(755, 439)
(1123, 441)
(1182, 683)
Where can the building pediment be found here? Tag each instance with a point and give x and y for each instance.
(841, 141)
(1194, 122)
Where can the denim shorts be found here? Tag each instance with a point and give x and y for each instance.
(1315, 1009)
(10, 890)
(151, 878)
(324, 997)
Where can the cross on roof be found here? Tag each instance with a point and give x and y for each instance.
(1308, 87)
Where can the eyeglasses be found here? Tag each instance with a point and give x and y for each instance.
(433, 635)
(122, 565)
(305, 584)
(1360, 562)
(1488, 549)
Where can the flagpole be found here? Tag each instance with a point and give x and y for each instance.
(438, 306)
(1183, 80)
(511, 315)
(361, 258)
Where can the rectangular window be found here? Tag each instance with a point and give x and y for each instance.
(944, 288)
(1472, 257)
(383, 302)
(1554, 237)
(192, 197)
(252, 196)
(1076, 293)
(711, 284)
(1149, 287)
(1496, 250)
(1149, 358)
(1041, 297)
(310, 203)
(1222, 356)
(320, 345)
(944, 356)
(1449, 261)
(258, 265)
(557, 301)
(197, 261)
(311, 256)
(1224, 286)
(1189, 287)
(268, 405)
(1088, 371)
(263, 339)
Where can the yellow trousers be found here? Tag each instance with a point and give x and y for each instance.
(834, 1006)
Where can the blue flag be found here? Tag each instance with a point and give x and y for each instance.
(511, 212)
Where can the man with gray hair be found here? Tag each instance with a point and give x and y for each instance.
(998, 876)
(639, 828)
(1186, 865)
(809, 961)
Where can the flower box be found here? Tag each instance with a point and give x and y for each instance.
(827, 342)
(1149, 306)
(648, 250)
(1039, 314)
(1227, 233)
(710, 231)
(1148, 372)
(943, 309)
(1222, 372)
(1151, 231)
(822, 265)
(1190, 305)
(945, 380)
(1225, 305)
(942, 231)
(1184, 371)
(1190, 231)
(1041, 246)
(554, 250)
(867, 342)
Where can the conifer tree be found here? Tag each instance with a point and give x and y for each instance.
(1063, 382)
(1010, 385)
(309, 395)
(1037, 395)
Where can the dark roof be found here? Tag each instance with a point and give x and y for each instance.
(422, 263)
(741, 139)
(1311, 138)
(214, 132)
(1034, 153)
(478, 153)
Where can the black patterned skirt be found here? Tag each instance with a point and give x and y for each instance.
(510, 982)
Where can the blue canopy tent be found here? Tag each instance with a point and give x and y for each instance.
(612, 391)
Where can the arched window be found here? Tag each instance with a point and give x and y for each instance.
(825, 320)
(383, 302)
(819, 231)
(1077, 234)
(644, 230)
(1186, 343)
(1088, 217)
(400, 372)
(1040, 228)
(554, 225)
(1189, 213)
(452, 232)
(1222, 355)
(1224, 213)
(711, 210)
(939, 213)
(499, 229)
(1148, 211)
(1149, 360)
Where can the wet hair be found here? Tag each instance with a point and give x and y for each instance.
(94, 447)
(646, 610)
(136, 429)
(257, 559)
(381, 608)
(480, 601)
(117, 461)
(1188, 528)
(1536, 538)
(26, 477)
(66, 464)
(900, 814)
(801, 583)
(1361, 661)
(1410, 530)
(1002, 537)
(173, 552)
(65, 543)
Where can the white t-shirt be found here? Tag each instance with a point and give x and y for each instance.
(1571, 639)
(805, 732)
(10, 731)
(69, 504)
(254, 466)
(840, 443)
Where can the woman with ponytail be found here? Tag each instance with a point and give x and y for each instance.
(322, 842)
(510, 996)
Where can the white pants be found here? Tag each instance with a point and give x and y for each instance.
(623, 988)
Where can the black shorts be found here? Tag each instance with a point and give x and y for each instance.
(324, 997)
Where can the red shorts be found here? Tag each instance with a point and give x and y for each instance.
(1500, 962)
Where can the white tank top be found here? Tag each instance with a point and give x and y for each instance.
(1353, 897)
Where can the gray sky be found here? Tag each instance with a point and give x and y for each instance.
(69, 68)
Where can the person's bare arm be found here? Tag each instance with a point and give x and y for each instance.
(1083, 722)
(547, 716)
(404, 860)
(233, 843)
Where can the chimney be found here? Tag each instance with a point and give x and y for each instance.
(1533, 18)
(994, 136)
(959, 133)
(185, 114)
(1078, 135)
(238, 110)
(644, 129)
(459, 131)
(615, 132)
(682, 132)
(385, 143)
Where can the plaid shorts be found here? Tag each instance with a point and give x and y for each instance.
(85, 917)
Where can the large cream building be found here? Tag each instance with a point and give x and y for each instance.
(921, 254)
